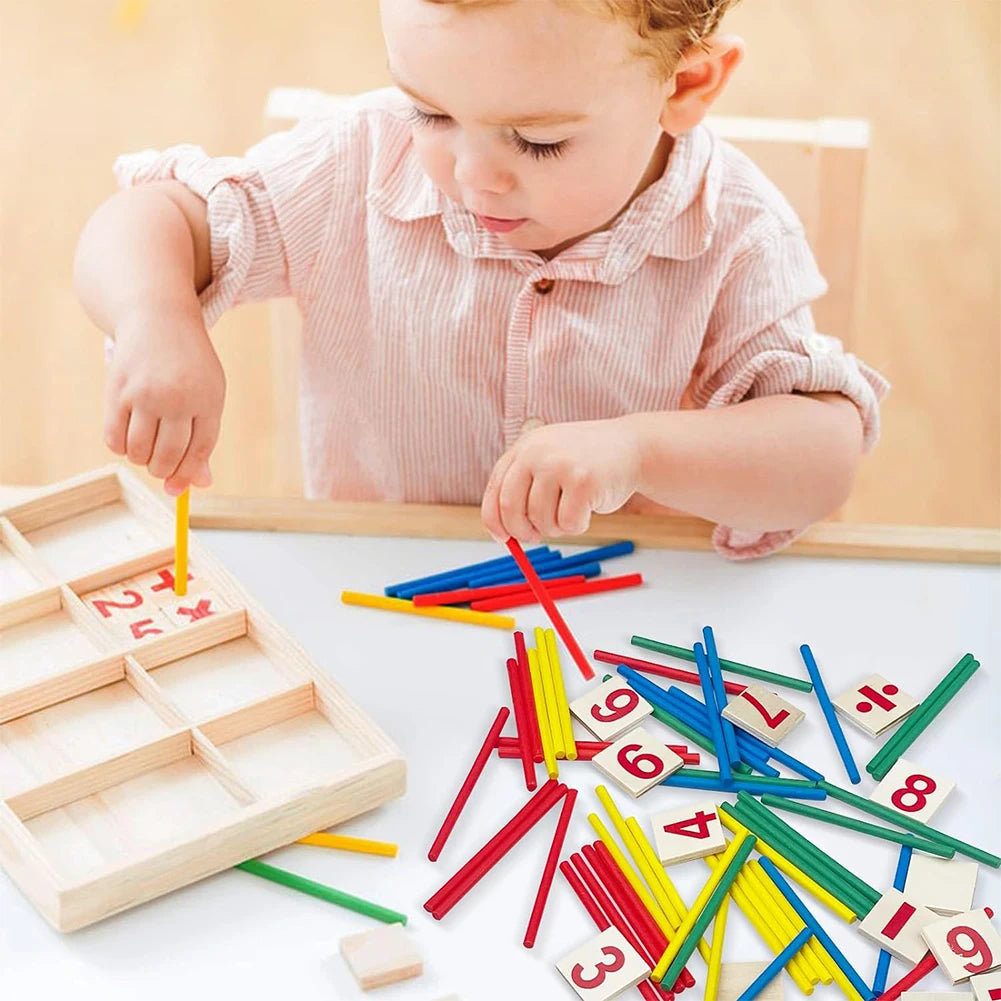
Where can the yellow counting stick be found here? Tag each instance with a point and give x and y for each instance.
(545, 732)
(435, 612)
(566, 724)
(785, 866)
(549, 689)
(348, 844)
(181, 509)
(716, 952)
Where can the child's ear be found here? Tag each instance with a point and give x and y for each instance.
(701, 75)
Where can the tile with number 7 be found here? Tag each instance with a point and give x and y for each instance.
(763, 713)
(874, 705)
(987, 986)
(688, 833)
(913, 790)
(964, 945)
(895, 924)
(637, 762)
(603, 967)
(611, 709)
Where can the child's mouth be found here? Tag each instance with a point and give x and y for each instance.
(499, 225)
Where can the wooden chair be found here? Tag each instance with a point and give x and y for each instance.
(819, 165)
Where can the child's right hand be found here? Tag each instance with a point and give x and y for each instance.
(164, 395)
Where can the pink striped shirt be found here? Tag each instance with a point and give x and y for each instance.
(428, 344)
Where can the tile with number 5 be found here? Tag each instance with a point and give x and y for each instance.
(637, 762)
(604, 967)
(964, 945)
(874, 705)
(763, 713)
(691, 832)
(611, 709)
(913, 790)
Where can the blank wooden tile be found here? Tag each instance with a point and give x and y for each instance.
(914, 790)
(611, 709)
(696, 832)
(874, 705)
(896, 923)
(603, 967)
(987, 986)
(735, 978)
(637, 762)
(945, 886)
(381, 956)
(973, 933)
(761, 712)
(194, 607)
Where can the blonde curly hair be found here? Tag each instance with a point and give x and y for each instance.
(667, 28)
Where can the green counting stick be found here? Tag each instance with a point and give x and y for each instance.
(328, 893)
(860, 826)
(902, 820)
(733, 666)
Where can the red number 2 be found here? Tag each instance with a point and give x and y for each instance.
(771, 721)
(616, 711)
(616, 959)
(102, 604)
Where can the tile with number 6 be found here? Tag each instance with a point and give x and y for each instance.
(691, 832)
(604, 967)
(874, 705)
(964, 945)
(913, 790)
(637, 762)
(763, 713)
(895, 924)
(611, 709)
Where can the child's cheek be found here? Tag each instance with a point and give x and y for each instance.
(436, 160)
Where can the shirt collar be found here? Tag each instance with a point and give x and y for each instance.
(673, 218)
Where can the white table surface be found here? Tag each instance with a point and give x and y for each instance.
(435, 687)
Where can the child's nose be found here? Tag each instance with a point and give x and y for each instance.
(477, 170)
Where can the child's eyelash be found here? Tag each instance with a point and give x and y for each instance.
(540, 151)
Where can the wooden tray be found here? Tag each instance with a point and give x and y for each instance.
(147, 741)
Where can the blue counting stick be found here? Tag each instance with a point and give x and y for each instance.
(833, 723)
(719, 693)
(899, 879)
(461, 574)
(775, 967)
(742, 785)
(715, 729)
(513, 575)
(566, 564)
(546, 571)
(811, 922)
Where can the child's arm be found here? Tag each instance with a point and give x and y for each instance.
(141, 261)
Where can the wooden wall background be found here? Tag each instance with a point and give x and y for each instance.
(82, 80)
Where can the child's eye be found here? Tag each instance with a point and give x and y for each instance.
(538, 151)
(426, 118)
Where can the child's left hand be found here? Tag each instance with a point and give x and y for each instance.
(553, 477)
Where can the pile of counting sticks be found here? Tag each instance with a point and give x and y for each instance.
(766, 867)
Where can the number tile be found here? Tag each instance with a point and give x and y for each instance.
(688, 833)
(875, 705)
(895, 924)
(987, 986)
(611, 709)
(604, 967)
(945, 886)
(763, 713)
(964, 945)
(194, 607)
(913, 790)
(381, 956)
(637, 762)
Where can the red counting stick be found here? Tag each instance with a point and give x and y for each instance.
(494, 850)
(549, 870)
(649, 667)
(489, 743)
(529, 698)
(463, 595)
(540, 592)
(524, 741)
(524, 597)
(510, 747)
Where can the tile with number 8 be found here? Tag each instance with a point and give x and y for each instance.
(688, 833)
(637, 762)
(913, 790)
(874, 705)
(763, 713)
(964, 945)
(604, 967)
(611, 709)
(895, 924)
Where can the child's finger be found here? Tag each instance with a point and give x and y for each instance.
(514, 502)
(171, 444)
(140, 437)
(574, 512)
(194, 466)
(543, 498)
(116, 424)
(490, 506)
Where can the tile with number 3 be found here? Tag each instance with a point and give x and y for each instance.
(874, 705)
(604, 967)
(692, 832)
(895, 924)
(763, 713)
(913, 790)
(611, 709)
(964, 945)
(637, 762)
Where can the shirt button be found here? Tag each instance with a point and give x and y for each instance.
(531, 424)
(817, 344)
(544, 285)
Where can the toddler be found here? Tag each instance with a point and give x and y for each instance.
(529, 277)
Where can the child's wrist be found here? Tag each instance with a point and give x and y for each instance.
(650, 439)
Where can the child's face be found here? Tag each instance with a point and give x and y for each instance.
(529, 111)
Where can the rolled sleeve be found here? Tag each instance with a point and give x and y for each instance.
(762, 342)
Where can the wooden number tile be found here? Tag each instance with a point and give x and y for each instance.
(117, 603)
(193, 608)
(157, 586)
(637, 762)
(913, 790)
(895, 924)
(987, 986)
(945, 886)
(604, 967)
(691, 832)
(761, 712)
(381, 956)
(964, 945)
(875, 705)
(611, 709)
(735, 978)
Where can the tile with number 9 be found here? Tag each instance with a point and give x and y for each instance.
(637, 762)
(611, 709)
(964, 945)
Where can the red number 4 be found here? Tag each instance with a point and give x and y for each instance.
(693, 827)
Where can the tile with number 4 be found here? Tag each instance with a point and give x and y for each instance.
(913, 790)
(194, 608)
(964, 945)
(604, 967)
(761, 712)
(637, 762)
(945, 886)
(611, 709)
(874, 705)
(895, 924)
(987, 986)
(691, 832)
